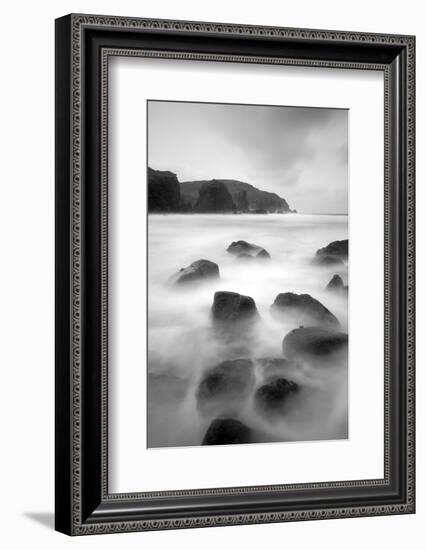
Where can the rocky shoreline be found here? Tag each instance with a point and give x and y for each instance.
(166, 194)
(267, 384)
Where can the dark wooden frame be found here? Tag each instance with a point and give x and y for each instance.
(83, 46)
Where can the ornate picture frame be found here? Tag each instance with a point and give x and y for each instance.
(84, 45)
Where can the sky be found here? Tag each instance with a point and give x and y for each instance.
(300, 153)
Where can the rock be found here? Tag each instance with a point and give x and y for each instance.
(227, 431)
(272, 396)
(225, 386)
(233, 307)
(335, 284)
(327, 260)
(263, 254)
(314, 343)
(163, 191)
(243, 249)
(200, 270)
(214, 197)
(336, 249)
(303, 309)
(234, 322)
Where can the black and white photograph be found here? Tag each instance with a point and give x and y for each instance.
(234, 277)
(248, 274)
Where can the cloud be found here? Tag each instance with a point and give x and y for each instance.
(298, 152)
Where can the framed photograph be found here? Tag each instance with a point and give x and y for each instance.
(234, 274)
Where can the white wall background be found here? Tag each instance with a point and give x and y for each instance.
(26, 289)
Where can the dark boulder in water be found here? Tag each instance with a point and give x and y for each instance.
(233, 307)
(227, 431)
(336, 249)
(335, 284)
(326, 261)
(303, 309)
(201, 270)
(314, 343)
(242, 249)
(225, 386)
(274, 395)
(263, 254)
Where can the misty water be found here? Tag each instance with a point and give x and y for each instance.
(182, 344)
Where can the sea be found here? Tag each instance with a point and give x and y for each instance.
(182, 345)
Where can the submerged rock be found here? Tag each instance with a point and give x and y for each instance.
(233, 307)
(227, 431)
(197, 271)
(314, 343)
(234, 323)
(245, 256)
(335, 284)
(336, 249)
(263, 254)
(302, 308)
(242, 249)
(225, 386)
(272, 396)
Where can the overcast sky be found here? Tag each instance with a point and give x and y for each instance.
(299, 153)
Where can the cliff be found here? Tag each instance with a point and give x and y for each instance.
(214, 197)
(254, 198)
(163, 191)
(166, 194)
